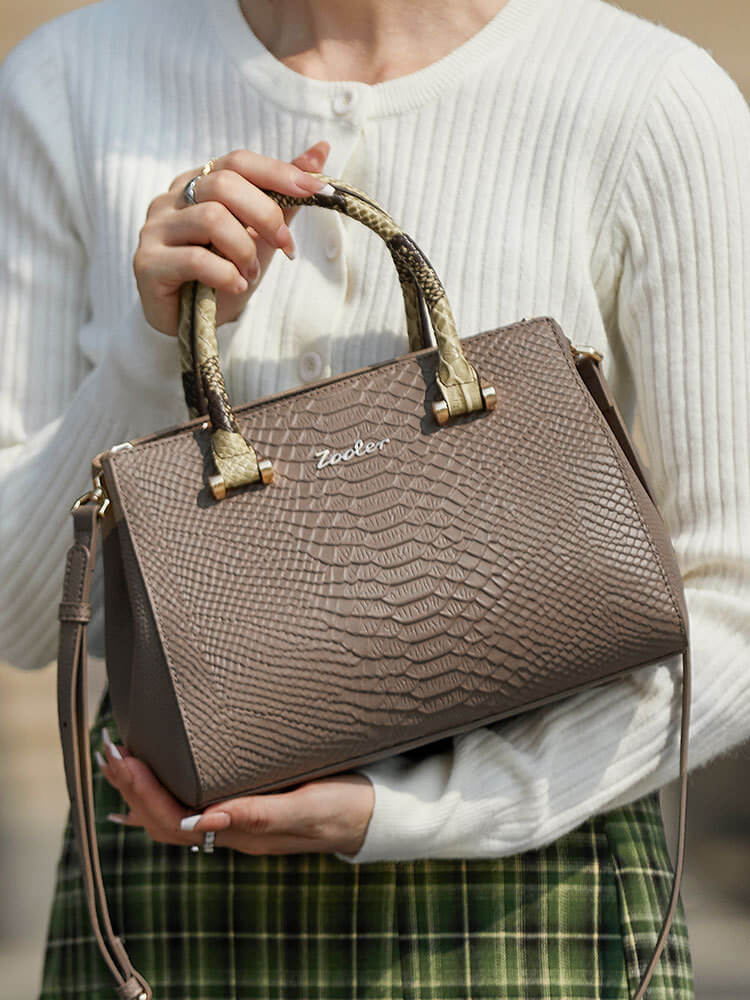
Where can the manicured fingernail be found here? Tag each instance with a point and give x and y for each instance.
(254, 274)
(190, 822)
(110, 745)
(116, 818)
(241, 284)
(329, 189)
(308, 184)
(285, 241)
(100, 760)
(314, 185)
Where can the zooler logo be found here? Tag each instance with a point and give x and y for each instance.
(358, 450)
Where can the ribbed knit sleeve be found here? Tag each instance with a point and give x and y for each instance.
(681, 285)
(59, 407)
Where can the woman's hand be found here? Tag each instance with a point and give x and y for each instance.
(326, 816)
(242, 225)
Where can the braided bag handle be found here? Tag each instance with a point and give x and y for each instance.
(203, 382)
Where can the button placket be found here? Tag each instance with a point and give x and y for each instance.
(310, 365)
(325, 269)
(344, 101)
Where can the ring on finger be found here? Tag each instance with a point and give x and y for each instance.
(209, 839)
(188, 193)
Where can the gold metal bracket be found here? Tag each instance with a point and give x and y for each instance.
(98, 496)
(586, 351)
(442, 415)
(219, 487)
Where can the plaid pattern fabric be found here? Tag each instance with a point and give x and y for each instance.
(575, 920)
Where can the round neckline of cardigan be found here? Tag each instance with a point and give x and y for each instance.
(341, 99)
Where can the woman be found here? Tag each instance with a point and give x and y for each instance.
(552, 157)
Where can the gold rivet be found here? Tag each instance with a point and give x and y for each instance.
(586, 351)
(440, 411)
(266, 471)
(489, 396)
(218, 486)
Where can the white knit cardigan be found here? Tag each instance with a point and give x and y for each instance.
(569, 160)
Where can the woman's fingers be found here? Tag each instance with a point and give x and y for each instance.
(202, 822)
(329, 814)
(150, 804)
(243, 200)
(239, 194)
(263, 171)
(176, 265)
(125, 819)
(312, 159)
(256, 824)
(240, 223)
(254, 814)
(213, 223)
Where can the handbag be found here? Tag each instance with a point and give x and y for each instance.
(363, 565)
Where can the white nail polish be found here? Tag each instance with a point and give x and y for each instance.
(114, 818)
(100, 760)
(110, 745)
(329, 189)
(190, 822)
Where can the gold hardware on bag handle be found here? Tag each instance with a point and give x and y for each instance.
(459, 385)
(441, 413)
(218, 486)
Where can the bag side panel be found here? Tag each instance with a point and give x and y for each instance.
(636, 474)
(143, 698)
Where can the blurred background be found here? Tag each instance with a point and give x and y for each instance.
(716, 887)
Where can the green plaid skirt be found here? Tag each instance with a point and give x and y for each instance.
(577, 919)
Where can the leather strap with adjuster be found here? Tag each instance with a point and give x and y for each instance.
(75, 612)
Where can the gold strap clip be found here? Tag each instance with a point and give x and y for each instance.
(97, 495)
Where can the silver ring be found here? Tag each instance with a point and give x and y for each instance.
(188, 192)
(209, 840)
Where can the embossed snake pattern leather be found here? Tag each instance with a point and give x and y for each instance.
(456, 575)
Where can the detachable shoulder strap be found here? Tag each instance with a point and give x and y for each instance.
(75, 612)
(680, 857)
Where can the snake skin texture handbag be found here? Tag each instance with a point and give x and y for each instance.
(364, 565)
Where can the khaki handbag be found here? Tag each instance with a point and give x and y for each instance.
(364, 565)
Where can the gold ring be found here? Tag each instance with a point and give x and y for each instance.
(207, 167)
